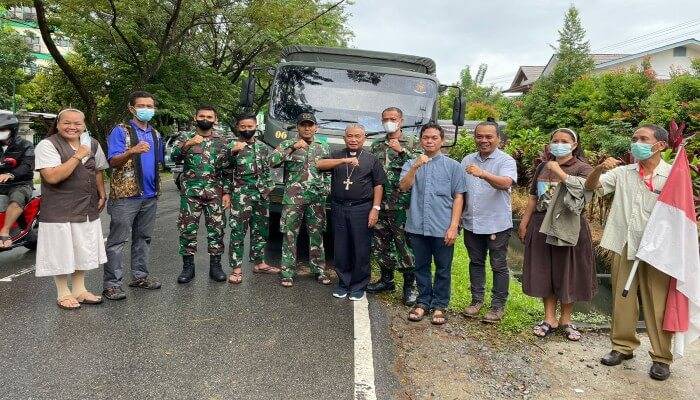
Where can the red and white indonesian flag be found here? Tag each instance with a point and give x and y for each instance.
(670, 244)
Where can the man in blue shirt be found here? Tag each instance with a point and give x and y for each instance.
(437, 185)
(487, 219)
(134, 150)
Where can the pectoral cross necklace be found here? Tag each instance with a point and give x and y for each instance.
(349, 172)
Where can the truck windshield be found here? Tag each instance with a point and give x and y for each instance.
(338, 96)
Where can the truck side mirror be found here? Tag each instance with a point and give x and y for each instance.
(458, 108)
(248, 92)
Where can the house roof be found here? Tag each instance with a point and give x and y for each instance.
(526, 76)
(627, 57)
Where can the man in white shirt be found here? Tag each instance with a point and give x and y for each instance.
(636, 188)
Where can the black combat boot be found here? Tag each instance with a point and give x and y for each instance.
(215, 271)
(187, 273)
(410, 294)
(384, 284)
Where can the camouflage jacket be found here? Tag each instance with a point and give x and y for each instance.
(205, 170)
(251, 170)
(303, 182)
(392, 162)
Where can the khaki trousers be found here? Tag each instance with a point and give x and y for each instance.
(652, 286)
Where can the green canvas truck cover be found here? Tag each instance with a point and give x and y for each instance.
(405, 62)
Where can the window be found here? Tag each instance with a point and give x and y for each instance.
(34, 42)
(679, 51)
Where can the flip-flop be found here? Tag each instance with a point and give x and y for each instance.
(235, 278)
(269, 270)
(545, 328)
(82, 300)
(413, 312)
(570, 332)
(323, 279)
(62, 306)
(442, 315)
(287, 282)
(3, 239)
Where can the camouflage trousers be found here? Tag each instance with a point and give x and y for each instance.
(389, 245)
(293, 215)
(248, 213)
(191, 209)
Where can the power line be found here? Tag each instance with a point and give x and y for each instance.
(650, 35)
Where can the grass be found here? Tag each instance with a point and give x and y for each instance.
(522, 311)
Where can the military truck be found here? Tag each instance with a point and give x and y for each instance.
(342, 86)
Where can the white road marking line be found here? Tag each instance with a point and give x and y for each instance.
(18, 274)
(364, 359)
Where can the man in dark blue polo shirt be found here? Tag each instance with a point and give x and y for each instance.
(134, 150)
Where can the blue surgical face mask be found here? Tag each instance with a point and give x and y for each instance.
(560, 149)
(145, 114)
(641, 151)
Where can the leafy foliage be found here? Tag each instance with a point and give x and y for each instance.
(15, 58)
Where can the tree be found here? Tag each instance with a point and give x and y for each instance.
(15, 58)
(186, 52)
(572, 62)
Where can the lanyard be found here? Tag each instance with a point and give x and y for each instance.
(648, 182)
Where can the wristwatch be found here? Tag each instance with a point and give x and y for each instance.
(376, 208)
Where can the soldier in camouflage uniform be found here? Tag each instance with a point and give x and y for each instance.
(205, 187)
(250, 190)
(305, 193)
(389, 246)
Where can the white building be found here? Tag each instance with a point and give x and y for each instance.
(666, 61)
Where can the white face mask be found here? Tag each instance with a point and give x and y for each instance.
(4, 135)
(390, 126)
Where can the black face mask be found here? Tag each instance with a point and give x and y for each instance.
(203, 124)
(247, 134)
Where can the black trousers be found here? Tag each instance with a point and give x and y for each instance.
(352, 241)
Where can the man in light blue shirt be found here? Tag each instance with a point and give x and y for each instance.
(437, 185)
(487, 219)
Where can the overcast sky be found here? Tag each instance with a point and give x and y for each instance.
(507, 34)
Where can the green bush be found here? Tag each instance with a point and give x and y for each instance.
(677, 99)
(464, 145)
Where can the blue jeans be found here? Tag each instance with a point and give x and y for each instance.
(129, 216)
(432, 293)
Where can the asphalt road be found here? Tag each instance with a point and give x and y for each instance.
(203, 340)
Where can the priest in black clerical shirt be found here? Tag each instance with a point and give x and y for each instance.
(356, 194)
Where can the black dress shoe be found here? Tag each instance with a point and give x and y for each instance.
(215, 272)
(659, 371)
(384, 284)
(615, 358)
(187, 273)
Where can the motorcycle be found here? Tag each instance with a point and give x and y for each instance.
(24, 232)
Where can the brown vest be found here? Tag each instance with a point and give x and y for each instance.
(74, 199)
(126, 180)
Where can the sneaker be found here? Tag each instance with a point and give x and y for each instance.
(357, 295)
(493, 316)
(145, 283)
(340, 293)
(114, 293)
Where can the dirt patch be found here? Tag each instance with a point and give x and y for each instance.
(470, 360)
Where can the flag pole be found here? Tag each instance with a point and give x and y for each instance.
(630, 278)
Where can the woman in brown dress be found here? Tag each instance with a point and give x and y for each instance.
(564, 274)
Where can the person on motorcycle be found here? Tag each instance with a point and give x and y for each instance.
(16, 173)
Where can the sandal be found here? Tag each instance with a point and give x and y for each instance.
(267, 269)
(414, 316)
(287, 282)
(3, 239)
(235, 277)
(570, 332)
(68, 302)
(543, 329)
(439, 317)
(323, 279)
(88, 298)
